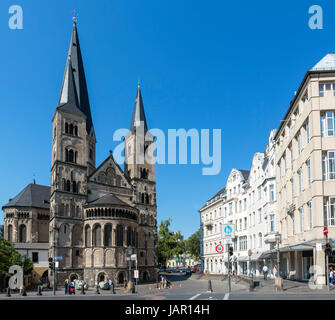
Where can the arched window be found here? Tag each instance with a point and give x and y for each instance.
(97, 236)
(68, 185)
(22, 233)
(146, 198)
(88, 236)
(67, 210)
(75, 130)
(66, 127)
(66, 155)
(71, 128)
(142, 198)
(10, 233)
(74, 187)
(64, 184)
(108, 236)
(119, 236)
(71, 155)
(128, 236)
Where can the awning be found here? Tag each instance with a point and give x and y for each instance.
(297, 247)
(243, 258)
(255, 256)
(268, 255)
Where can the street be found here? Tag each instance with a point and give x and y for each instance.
(191, 288)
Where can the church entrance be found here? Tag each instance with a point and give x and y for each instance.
(73, 277)
(121, 277)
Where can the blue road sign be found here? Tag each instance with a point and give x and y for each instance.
(59, 258)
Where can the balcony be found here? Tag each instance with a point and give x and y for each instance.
(209, 223)
(290, 209)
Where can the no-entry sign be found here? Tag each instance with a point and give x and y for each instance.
(325, 231)
(219, 248)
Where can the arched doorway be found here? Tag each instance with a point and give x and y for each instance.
(45, 276)
(145, 276)
(120, 277)
(101, 277)
(73, 277)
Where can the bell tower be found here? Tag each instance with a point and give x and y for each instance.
(140, 169)
(73, 159)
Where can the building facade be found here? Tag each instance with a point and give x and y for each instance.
(97, 215)
(248, 201)
(306, 174)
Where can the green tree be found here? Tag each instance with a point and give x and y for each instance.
(169, 242)
(193, 245)
(9, 257)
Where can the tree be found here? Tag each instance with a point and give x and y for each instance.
(9, 257)
(193, 245)
(169, 243)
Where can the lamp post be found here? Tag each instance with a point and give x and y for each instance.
(278, 255)
(22, 263)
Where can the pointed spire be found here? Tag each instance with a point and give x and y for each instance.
(34, 180)
(138, 115)
(74, 93)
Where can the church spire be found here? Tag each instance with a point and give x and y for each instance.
(138, 115)
(74, 93)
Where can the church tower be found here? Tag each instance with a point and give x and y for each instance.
(140, 169)
(73, 159)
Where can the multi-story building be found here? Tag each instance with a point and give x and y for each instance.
(248, 202)
(305, 147)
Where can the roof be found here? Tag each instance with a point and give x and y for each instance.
(245, 173)
(326, 63)
(138, 119)
(218, 193)
(33, 195)
(109, 199)
(74, 94)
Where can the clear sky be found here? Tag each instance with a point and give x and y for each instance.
(232, 65)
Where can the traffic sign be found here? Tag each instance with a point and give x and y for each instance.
(57, 264)
(228, 231)
(136, 273)
(325, 231)
(58, 258)
(133, 257)
(219, 248)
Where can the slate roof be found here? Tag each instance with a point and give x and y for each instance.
(74, 94)
(109, 199)
(245, 173)
(138, 119)
(33, 195)
(326, 63)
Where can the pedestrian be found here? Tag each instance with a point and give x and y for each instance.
(125, 285)
(164, 282)
(72, 289)
(66, 286)
(265, 271)
(331, 274)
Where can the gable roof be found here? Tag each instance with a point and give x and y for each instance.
(245, 173)
(326, 63)
(33, 195)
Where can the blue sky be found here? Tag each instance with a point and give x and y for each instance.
(204, 65)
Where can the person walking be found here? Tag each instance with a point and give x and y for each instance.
(66, 286)
(125, 285)
(265, 271)
(331, 274)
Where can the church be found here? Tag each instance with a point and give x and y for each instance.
(93, 217)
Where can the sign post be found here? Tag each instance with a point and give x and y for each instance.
(228, 233)
(325, 233)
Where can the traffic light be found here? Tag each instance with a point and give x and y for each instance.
(51, 264)
(328, 248)
(231, 251)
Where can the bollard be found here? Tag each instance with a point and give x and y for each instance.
(98, 289)
(113, 288)
(210, 289)
(8, 292)
(39, 291)
(83, 289)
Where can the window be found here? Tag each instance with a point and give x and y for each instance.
(230, 208)
(34, 257)
(307, 132)
(259, 215)
(300, 180)
(22, 233)
(254, 218)
(309, 172)
(259, 240)
(245, 204)
(259, 193)
(326, 86)
(272, 192)
(293, 223)
(240, 227)
(310, 215)
(299, 143)
(285, 164)
(291, 152)
(245, 223)
(292, 189)
(328, 124)
(328, 165)
(301, 213)
(272, 223)
(243, 243)
(329, 210)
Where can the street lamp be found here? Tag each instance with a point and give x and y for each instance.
(278, 239)
(22, 263)
(249, 254)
